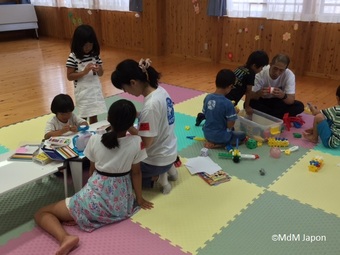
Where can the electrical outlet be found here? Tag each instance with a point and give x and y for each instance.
(205, 46)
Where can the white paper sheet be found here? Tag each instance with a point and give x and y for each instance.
(202, 164)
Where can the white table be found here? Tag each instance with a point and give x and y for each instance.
(15, 173)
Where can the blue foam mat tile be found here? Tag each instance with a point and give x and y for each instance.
(274, 224)
(182, 121)
(3, 149)
(320, 147)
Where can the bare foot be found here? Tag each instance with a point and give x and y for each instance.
(210, 145)
(309, 131)
(310, 137)
(67, 245)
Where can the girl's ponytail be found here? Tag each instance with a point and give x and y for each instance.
(110, 140)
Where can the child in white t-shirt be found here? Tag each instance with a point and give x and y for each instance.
(156, 121)
(65, 121)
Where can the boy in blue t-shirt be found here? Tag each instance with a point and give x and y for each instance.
(220, 113)
(245, 76)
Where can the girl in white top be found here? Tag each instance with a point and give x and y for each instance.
(65, 121)
(156, 121)
(84, 67)
(114, 189)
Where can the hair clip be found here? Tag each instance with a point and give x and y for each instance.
(144, 65)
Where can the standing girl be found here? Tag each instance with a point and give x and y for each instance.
(113, 187)
(84, 66)
(156, 121)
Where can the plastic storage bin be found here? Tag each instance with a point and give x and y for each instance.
(259, 125)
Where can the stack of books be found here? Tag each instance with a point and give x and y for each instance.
(25, 152)
(216, 178)
(60, 153)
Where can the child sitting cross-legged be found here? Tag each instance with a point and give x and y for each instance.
(220, 114)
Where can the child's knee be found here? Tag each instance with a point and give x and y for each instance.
(319, 117)
(38, 214)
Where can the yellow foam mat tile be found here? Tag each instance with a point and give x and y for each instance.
(194, 211)
(24, 132)
(320, 189)
(191, 107)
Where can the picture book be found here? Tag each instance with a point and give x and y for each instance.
(25, 152)
(60, 153)
(216, 178)
(42, 158)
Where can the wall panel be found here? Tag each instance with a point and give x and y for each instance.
(173, 28)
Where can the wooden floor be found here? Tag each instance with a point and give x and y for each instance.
(33, 72)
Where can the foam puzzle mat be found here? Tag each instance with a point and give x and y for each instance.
(289, 210)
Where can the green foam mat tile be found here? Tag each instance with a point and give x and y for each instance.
(274, 217)
(248, 169)
(18, 206)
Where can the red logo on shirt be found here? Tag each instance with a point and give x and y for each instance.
(144, 127)
(142, 146)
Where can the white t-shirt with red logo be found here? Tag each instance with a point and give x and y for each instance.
(157, 120)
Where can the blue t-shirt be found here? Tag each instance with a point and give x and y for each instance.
(218, 110)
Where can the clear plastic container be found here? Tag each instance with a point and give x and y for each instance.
(259, 125)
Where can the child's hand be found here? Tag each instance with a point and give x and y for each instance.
(265, 91)
(144, 204)
(74, 128)
(96, 68)
(249, 110)
(65, 129)
(89, 67)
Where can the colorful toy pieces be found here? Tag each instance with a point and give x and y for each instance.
(315, 164)
(289, 150)
(275, 152)
(196, 138)
(296, 121)
(278, 142)
(235, 155)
